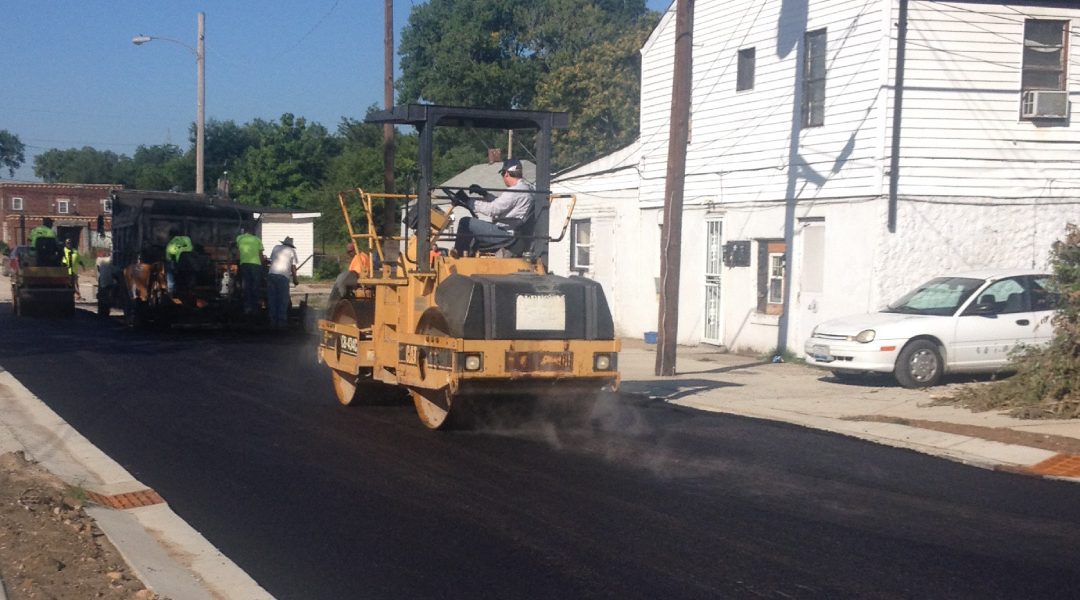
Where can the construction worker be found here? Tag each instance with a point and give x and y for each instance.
(44, 230)
(177, 246)
(250, 250)
(73, 264)
(282, 267)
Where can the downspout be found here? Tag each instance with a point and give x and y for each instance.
(898, 104)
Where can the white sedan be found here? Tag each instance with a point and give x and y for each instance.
(968, 322)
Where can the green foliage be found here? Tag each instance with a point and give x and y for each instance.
(327, 269)
(11, 152)
(600, 91)
(287, 162)
(1047, 381)
(546, 54)
(154, 168)
(85, 165)
(4, 248)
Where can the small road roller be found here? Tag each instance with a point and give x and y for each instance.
(460, 331)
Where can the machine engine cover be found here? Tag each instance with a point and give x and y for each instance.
(525, 306)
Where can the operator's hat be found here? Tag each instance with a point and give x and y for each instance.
(512, 166)
(288, 241)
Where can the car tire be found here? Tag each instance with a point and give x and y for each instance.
(919, 365)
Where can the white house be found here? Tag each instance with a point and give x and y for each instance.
(841, 151)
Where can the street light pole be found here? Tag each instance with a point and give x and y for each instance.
(200, 101)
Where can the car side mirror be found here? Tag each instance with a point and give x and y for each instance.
(984, 310)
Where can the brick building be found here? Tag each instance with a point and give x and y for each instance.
(74, 208)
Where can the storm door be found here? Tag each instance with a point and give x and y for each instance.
(713, 333)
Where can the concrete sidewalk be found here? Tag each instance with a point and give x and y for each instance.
(877, 409)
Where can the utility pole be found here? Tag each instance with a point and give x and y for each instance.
(389, 210)
(200, 118)
(671, 234)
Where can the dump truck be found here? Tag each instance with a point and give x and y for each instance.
(40, 283)
(207, 290)
(459, 332)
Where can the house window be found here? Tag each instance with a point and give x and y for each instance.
(106, 205)
(1043, 82)
(1044, 55)
(813, 102)
(581, 247)
(16, 204)
(746, 70)
(772, 265)
(63, 207)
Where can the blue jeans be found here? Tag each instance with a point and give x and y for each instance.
(277, 296)
(474, 233)
(251, 280)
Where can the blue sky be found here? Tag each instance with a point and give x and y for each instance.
(72, 77)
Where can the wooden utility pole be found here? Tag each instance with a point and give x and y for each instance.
(389, 210)
(671, 234)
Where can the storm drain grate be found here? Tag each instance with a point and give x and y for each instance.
(1062, 465)
(147, 497)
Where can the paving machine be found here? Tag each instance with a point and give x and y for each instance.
(206, 287)
(41, 285)
(456, 332)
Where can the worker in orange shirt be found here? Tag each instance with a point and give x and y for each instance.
(359, 266)
(360, 263)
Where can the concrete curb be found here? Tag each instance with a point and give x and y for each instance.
(170, 557)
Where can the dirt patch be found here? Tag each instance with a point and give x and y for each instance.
(49, 546)
(1054, 443)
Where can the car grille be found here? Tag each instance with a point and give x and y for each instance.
(830, 336)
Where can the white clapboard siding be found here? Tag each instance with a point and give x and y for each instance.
(299, 226)
(962, 134)
(740, 142)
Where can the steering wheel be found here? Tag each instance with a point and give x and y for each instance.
(458, 198)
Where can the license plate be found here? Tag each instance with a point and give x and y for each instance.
(821, 353)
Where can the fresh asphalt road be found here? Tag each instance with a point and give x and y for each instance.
(240, 432)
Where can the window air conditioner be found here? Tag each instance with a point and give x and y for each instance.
(1044, 104)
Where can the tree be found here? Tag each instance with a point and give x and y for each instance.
(554, 54)
(11, 151)
(157, 168)
(85, 165)
(466, 52)
(600, 90)
(288, 160)
(226, 142)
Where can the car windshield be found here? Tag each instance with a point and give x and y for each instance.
(939, 296)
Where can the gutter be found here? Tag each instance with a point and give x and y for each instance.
(898, 103)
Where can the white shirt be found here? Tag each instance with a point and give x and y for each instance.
(510, 207)
(282, 260)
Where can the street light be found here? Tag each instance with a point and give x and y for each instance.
(200, 119)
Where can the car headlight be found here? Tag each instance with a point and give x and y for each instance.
(865, 336)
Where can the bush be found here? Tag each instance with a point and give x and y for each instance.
(326, 268)
(1047, 380)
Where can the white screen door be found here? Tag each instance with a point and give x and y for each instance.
(714, 267)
